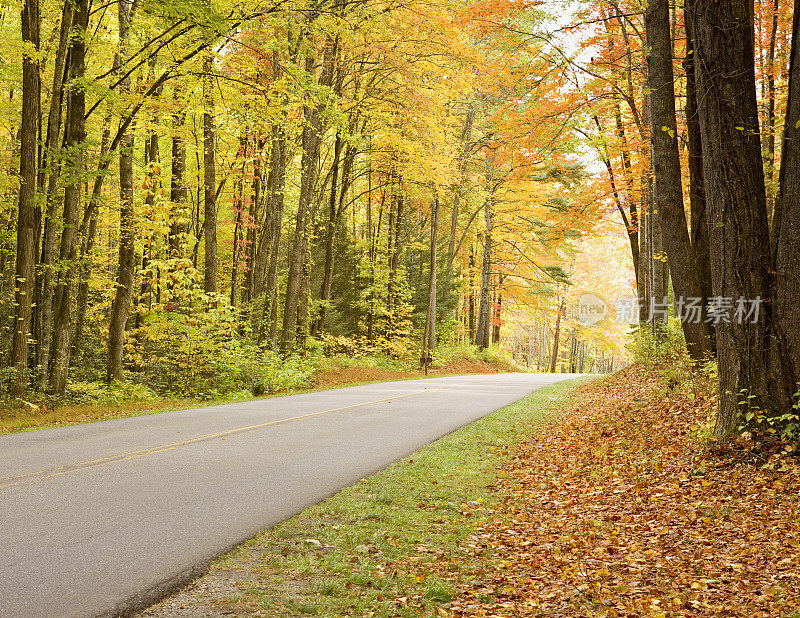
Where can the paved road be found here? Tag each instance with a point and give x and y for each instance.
(102, 518)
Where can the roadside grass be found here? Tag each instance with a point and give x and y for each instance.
(18, 415)
(394, 544)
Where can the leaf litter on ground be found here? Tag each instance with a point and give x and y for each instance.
(620, 507)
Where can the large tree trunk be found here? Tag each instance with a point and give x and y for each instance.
(120, 306)
(667, 191)
(26, 234)
(44, 287)
(209, 180)
(734, 180)
(786, 239)
(701, 251)
(75, 137)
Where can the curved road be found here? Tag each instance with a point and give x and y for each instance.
(105, 518)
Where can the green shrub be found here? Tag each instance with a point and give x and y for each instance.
(108, 394)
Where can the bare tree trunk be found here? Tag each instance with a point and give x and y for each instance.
(45, 281)
(330, 235)
(209, 180)
(120, 306)
(257, 236)
(701, 251)
(562, 307)
(277, 180)
(26, 228)
(471, 298)
(311, 139)
(75, 137)
(785, 352)
(179, 225)
(667, 190)
(466, 142)
(483, 331)
(733, 173)
(429, 341)
(238, 209)
(769, 130)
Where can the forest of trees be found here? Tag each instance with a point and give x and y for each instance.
(202, 180)
(195, 180)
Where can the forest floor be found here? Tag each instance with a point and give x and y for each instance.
(333, 373)
(607, 499)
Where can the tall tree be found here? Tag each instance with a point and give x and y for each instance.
(209, 179)
(736, 199)
(26, 226)
(667, 190)
(74, 142)
(120, 307)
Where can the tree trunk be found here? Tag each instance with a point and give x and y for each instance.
(45, 282)
(330, 235)
(701, 251)
(471, 296)
(179, 225)
(311, 139)
(429, 342)
(554, 361)
(734, 180)
(277, 180)
(785, 352)
(257, 236)
(483, 331)
(75, 137)
(120, 306)
(667, 191)
(26, 234)
(209, 180)
(466, 143)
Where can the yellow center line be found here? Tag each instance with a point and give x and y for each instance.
(83, 465)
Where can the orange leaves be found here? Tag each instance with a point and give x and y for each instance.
(617, 510)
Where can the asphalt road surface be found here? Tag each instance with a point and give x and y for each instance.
(105, 518)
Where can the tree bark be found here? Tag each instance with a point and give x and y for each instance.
(330, 235)
(26, 234)
(120, 306)
(429, 342)
(667, 190)
(179, 226)
(75, 138)
(311, 139)
(483, 330)
(734, 180)
(785, 352)
(209, 180)
(701, 251)
(45, 280)
(277, 181)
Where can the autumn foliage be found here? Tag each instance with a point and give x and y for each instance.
(620, 508)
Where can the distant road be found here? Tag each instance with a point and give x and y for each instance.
(104, 518)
